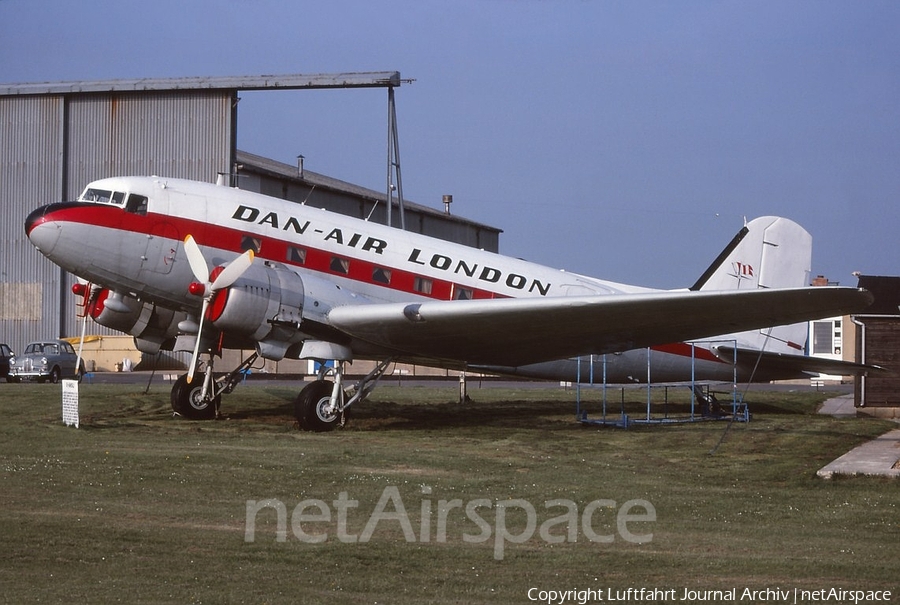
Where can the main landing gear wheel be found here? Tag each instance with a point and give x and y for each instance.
(312, 407)
(187, 401)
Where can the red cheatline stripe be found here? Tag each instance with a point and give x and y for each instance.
(683, 349)
(273, 249)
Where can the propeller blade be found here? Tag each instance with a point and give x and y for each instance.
(196, 260)
(78, 358)
(226, 277)
(193, 366)
(233, 271)
(87, 296)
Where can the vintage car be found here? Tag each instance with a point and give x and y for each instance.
(5, 354)
(47, 360)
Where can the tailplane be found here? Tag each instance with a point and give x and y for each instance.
(769, 252)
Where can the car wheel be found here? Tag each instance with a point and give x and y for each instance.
(54, 375)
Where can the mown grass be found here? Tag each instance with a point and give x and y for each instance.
(137, 506)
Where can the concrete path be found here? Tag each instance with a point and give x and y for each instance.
(877, 457)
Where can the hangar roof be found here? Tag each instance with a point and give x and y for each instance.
(282, 170)
(378, 79)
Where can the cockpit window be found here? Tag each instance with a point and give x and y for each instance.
(137, 204)
(97, 195)
(103, 196)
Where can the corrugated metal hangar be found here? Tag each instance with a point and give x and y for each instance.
(57, 137)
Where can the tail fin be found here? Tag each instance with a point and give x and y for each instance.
(769, 252)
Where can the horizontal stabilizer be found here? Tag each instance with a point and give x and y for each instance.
(792, 366)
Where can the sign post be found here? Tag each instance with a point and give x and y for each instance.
(70, 402)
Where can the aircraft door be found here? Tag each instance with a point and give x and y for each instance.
(162, 244)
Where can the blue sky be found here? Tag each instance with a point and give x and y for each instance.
(624, 140)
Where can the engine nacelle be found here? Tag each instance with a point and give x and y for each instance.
(149, 324)
(265, 304)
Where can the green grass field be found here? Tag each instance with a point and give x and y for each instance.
(137, 506)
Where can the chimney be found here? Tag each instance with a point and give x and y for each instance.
(448, 199)
(300, 159)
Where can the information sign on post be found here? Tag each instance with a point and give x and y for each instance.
(70, 402)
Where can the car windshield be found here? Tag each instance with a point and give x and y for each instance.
(47, 348)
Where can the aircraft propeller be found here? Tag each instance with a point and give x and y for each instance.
(89, 293)
(206, 288)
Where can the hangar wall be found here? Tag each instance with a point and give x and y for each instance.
(31, 173)
(52, 145)
(182, 135)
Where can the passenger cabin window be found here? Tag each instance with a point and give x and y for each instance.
(460, 293)
(340, 265)
(250, 243)
(422, 284)
(296, 255)
(381, 275)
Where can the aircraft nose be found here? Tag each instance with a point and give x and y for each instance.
(43, 233)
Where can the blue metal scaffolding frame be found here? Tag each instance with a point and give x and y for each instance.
(739, 409)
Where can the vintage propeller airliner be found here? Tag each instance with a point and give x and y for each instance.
(199, 267)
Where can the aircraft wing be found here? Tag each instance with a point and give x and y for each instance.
(770, 363)
(513, 332)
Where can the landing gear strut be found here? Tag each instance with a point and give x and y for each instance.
(323, 404)
(200, 399)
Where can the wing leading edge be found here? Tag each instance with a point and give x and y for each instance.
(514, 332)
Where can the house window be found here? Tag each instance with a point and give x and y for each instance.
(823, 338)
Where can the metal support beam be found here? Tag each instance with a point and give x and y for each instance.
(394, 180)
(377, 79)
